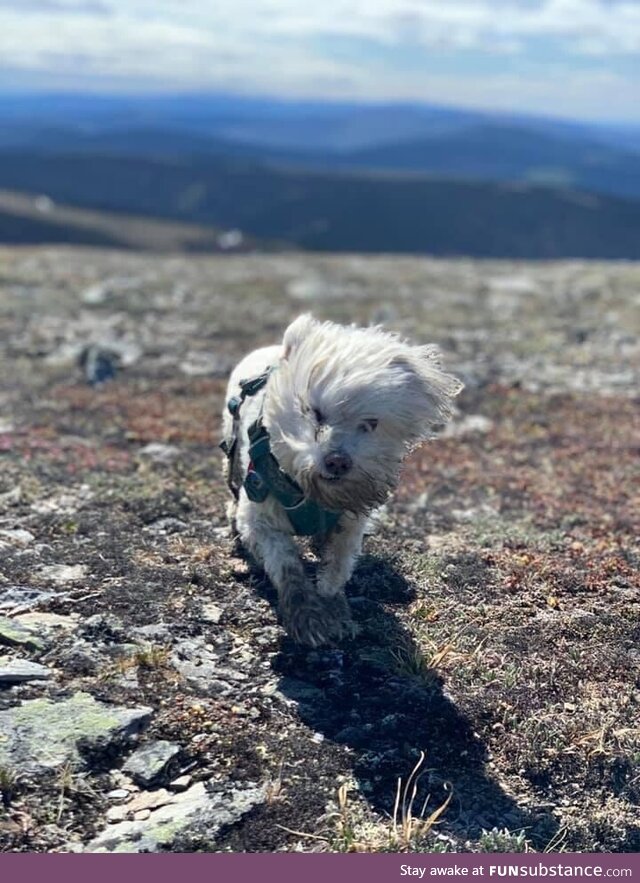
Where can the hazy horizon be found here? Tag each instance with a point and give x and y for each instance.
(151, 95)
(568, 59)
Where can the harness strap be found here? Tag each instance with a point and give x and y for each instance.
(230, 446)
(265, 476)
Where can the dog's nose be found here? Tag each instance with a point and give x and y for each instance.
(337, 463)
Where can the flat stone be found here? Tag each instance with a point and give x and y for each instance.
(470, 424)
(154, 631)
(117, 813)
(11, 498)
(48, 622)
(149, 762)
(42, 734)
(23, 597)
(118, 794)
(81, 658)
(194, 813)
(61, 574)
(122, 782)
(150, 800)
(203, 672)
(16, 537)
(14, 634)
(166, 525)
(159, 453)
(199, 364)
(211, 613)
(181, 783)
(65, 503)
(19, 671)
(95, 295)
(294, 690)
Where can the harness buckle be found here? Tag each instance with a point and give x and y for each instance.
(256, 489)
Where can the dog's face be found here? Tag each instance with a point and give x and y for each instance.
(344, 406)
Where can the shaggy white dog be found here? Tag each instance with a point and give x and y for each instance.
(315, 432)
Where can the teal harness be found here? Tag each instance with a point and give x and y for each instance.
(265, 477)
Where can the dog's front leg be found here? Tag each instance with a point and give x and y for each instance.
(307, 617)
(338, 558)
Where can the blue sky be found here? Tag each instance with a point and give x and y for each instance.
(573, 58)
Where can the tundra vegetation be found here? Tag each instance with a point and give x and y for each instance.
(149, 698)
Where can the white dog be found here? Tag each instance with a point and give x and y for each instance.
(315, 433)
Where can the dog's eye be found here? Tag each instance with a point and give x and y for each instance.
(368, 425)
(319, 416)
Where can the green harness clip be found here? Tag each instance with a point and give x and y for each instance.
(265, 477)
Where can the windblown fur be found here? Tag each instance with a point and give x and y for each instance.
(343, 407)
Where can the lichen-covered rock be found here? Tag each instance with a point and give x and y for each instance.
(193, 815)
(41, 734)
(17, 635)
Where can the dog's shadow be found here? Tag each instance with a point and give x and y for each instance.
(378, 697)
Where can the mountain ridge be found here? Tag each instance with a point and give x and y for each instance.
(340, 211)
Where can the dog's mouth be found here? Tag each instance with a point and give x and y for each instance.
(331, 478)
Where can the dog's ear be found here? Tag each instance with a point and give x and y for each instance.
(429, 390)
(296, 333)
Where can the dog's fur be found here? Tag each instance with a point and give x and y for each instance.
(362, 392)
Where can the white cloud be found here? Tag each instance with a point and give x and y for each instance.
(469, 23)
(64, 6)
(287, 46)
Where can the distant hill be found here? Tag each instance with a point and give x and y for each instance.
(441, 141)
(492, 152)
(29, 220)
(278, 123)
(340, 211)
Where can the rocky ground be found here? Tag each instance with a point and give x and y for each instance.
(149, 699)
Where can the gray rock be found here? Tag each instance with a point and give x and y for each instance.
(48, 623)
(61, 574)
(149, 762)
(292, 689)
(159, 453)
(18, 671)
(17, 635)
(95, 295)
(194, 814)
(153, 632)
(211, 613)
(41, 734)
(118, 794)
(166, 525)
(11, 498)
(198, 364)
(202, 669)
(16, 537)
(81, 658)
(181, 783)
(23, 597)
(470, 424)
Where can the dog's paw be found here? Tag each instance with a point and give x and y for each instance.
(313, 620)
